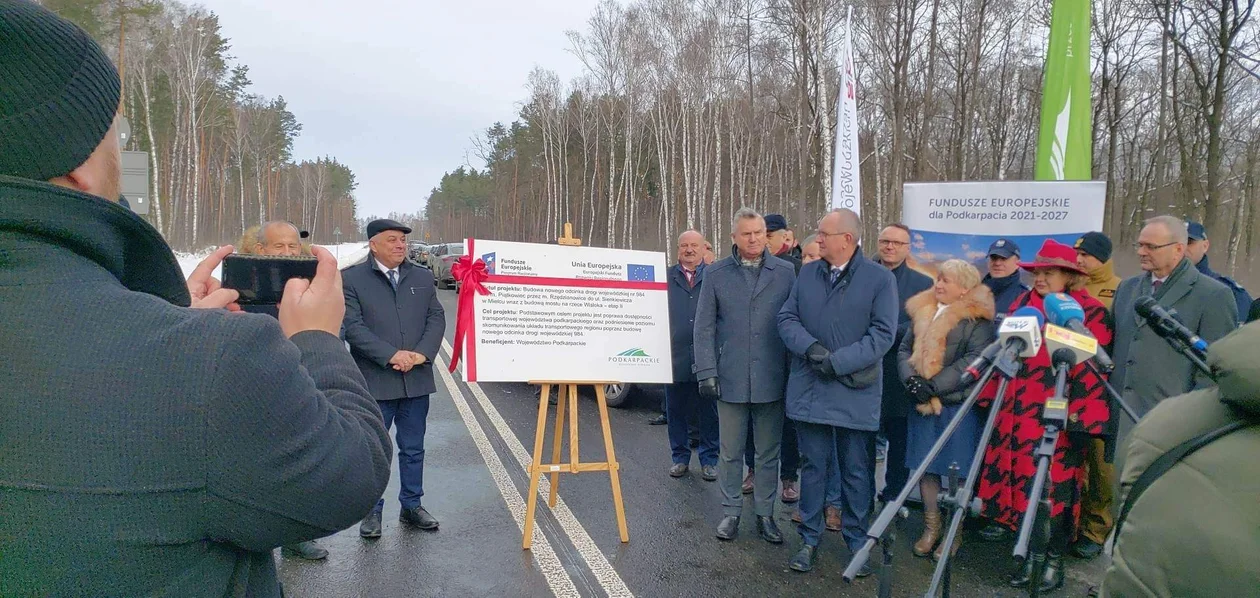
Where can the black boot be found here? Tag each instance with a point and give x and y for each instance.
(728, 528)
(1052, 578)
(1022, 575)
(768, 530)
(804, 559)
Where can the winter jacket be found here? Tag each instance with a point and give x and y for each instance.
(1148, 369)
(855, 319)
(1005, 291)
(939, 348)
(1241, 296)
(910, 282)
(1102, 284)
(380, 321)
(149, 449)
(683, 299)
(1195, 531)
(736, 336)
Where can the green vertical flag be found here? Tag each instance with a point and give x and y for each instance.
(1063, 147)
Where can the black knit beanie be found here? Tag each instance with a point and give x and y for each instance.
(58, 93)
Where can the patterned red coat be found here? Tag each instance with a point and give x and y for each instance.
(1009, 462)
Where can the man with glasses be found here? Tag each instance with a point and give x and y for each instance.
(1156, 371)
(894, 249)
(838, 324)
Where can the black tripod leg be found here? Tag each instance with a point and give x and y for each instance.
(886, 544)
(1040, 542)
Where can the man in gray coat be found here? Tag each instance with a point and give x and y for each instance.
(1148, 369)
(741, 361)
(394, 324)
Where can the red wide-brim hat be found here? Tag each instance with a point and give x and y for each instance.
(1054, 254)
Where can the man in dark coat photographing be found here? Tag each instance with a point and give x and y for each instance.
(146, 448)
(394, 324)
(838, 324)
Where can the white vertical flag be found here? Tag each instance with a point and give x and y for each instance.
(846, 180)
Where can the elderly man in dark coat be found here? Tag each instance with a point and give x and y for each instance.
(741, 361)
(894, 250)
(149, 449)
(1156, 371)
(683, 402)
(394, 324)
(838, 324)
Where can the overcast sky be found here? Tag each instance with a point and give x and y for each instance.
(397, 89)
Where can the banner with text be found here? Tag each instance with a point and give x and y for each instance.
(558, 312)
(961, 220)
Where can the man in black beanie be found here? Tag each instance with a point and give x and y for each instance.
(146, 448)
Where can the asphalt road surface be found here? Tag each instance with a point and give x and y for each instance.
(477, 448)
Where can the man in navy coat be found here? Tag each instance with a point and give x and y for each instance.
(894, 249)
(683, 402)
(394, 324)
(838, 324)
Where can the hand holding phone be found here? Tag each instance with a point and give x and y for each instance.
(315, 304)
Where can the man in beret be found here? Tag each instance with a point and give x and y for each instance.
(149, 449)
(394, 324)
(1197, 250)
(1093, 254)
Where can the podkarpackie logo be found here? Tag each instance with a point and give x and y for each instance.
(635, 356)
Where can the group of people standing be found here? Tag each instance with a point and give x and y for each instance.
(791, 356)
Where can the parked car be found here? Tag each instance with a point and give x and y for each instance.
(616, 395)
(441, 258)
(418, 253)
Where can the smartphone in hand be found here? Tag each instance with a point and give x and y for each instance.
(260, 279)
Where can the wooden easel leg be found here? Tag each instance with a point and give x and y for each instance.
(535, 470)
(574, 459)
(556, 443)
(613, 473)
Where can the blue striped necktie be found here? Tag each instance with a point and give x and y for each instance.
(393, 279)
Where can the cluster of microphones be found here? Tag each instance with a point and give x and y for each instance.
(1061, 328)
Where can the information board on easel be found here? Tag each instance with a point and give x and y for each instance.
(563, 316)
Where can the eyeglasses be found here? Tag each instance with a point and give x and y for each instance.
(1152, 247)
(826, 235)
(892, 243)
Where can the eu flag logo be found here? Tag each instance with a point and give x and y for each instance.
(489, 260)
(640, 273)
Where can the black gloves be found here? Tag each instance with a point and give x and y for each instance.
(819, 359)
(920, 389)
(709, 388)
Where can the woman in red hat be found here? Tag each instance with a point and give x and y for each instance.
(1009, 462)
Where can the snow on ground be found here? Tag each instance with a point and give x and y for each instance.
(346, 253)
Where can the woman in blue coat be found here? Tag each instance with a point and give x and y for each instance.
(952, 322)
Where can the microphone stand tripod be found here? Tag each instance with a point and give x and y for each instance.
(1034, 531)
(959, 498)
(1111, 390)
(1008, 367)
(1170, 335)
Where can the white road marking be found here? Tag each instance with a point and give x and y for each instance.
(552, 569)
(598, 563)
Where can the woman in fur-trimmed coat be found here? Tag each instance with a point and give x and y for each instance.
(952, 323)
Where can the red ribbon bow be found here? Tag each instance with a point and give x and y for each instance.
(470, 274)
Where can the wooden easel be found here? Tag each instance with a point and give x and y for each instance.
(568, 389)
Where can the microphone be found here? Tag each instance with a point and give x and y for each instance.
(1019, 336)
(1062, 311)
(1166, 325)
